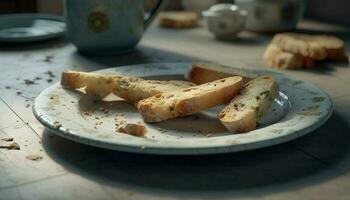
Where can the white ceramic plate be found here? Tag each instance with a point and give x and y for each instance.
(300, 108)
(30, 27)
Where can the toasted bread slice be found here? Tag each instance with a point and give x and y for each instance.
(278, 58)
(190, 100)
(132, 89)
(178, 19)
(300, 44)
(245, 110)
(318, 47)
(200, 73)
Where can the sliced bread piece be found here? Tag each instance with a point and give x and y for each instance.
(178, 19)
(132, 89)
(318, 47)
(300, 44)
(200, 73)
(190, 100)
(246, 109)
(278, 58)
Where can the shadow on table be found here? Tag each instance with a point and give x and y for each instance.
(141, 54)
(282, 167)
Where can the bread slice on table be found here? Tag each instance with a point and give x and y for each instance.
(333, 45)
(178, 19)
(318, 47)
(280, 59)
(300, 44)
(246, 109)
(200, 73)
(190, 100)
(132, 89)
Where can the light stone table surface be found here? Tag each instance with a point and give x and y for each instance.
(316, 166)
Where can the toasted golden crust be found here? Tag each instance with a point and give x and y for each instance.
(200, 73)
(190, 100)
(245, 110)
(132, 89)
(178, 19)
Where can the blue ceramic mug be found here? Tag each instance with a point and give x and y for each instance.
(107, 26)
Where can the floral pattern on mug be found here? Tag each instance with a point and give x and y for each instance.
(98, 21)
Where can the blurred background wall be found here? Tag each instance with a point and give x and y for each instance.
(336, 11)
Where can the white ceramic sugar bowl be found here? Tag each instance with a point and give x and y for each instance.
(225, 20)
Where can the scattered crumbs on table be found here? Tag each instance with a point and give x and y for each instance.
(34, 157)
(18, 93)
(274, 109)
(95, 127)
(29, 82)
(7, 139)
(51, 75)
(27, 105)
(72, 102)
(57, 124)
(10, 145)
(8, 87)
(39, 141)
(37, 78)
(49, 80)
(48, 58)
(40, 150)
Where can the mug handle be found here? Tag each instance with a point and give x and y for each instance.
(161, 4)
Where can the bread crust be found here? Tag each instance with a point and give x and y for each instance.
(200, 73)
(132, 89)
(280, 59)
(317, 47)
(246, 109)
(178, 19)
(188, 101)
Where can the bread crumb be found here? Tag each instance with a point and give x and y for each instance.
(57, 124)
(8, 139)
(34, 157)
(133, 129)
(10, 146)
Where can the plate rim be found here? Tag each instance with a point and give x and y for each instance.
(180, 150)
(52, 17)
